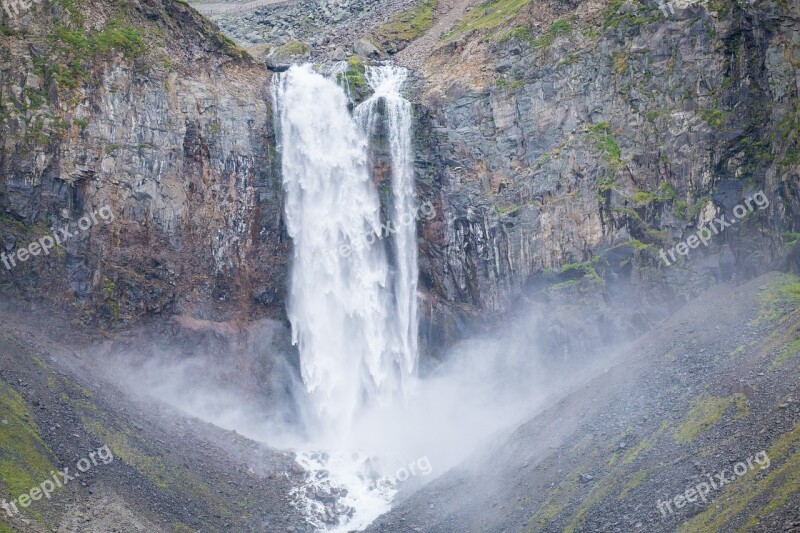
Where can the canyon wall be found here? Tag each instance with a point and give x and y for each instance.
(564, 145)
(568, 144)
(147, 110)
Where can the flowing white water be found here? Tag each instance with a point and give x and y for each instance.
(352, 301)
(353, 317)
(387, 82)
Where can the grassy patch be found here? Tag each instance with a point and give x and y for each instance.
(781, 297)
(614, 18)
(559, 27)
(788, 131)
(789, 350)
(642, 198)
(620, 61)
(123, 38)
(791, 238)
(587, 269)
(408, 25)
(488, 17)
(354, 77)
(508, 83)
(605, 141)
(762, 494)
(634, 482)
(714, 117)
(293, 47)
(24, 457)
(523, 33)
(706, 413)
(640, 246)
(120, 442)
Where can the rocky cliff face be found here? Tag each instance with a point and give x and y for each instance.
(569, 143)
(565, 146)
(149, 113)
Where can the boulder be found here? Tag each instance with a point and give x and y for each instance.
(366, 49)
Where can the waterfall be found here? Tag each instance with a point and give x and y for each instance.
(352, 309)
(387, 82)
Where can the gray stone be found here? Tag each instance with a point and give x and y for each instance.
(366, 49)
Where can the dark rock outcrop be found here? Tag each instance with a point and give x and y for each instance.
(154, 115)
(569, 144)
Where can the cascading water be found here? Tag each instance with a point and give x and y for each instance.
(352, 302)
(387, 82)
(353, 317)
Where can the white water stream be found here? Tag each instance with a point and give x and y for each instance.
(353, 309)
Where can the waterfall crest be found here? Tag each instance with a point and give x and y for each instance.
(353, 311)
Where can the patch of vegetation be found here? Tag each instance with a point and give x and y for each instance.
(605, 141)
(408, 25)
(777, 486)
(559, 27)
(781, 297)
(571, 59)
(523, 33)
(24, 457)
(721, 7)
(597, 493)
(655, 114)
(639, 246)
(634, 482)
(788, 131)
(508, 210)
(74, 46)
(693, 210)
(109, 294)
(587, 268)
(641, 198)
(124, 38)
(355, 76)
(613, 18)
(714, 117)
(293, 47)
(120, 443)
(229, 46)
(518, 33)
(488, 17)
(508, 83)
(620, 61)
(667, 192)
(789, 350)
(555, 503)
(791, 238)
(706, 413)
(606, 183)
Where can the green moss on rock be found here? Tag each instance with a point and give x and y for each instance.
(489, 17)
(408, 25)
(706, 413)
(24, 456)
